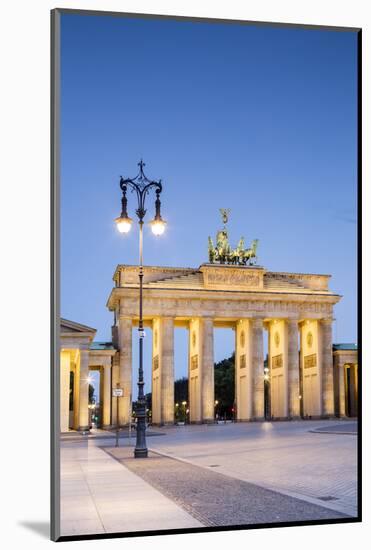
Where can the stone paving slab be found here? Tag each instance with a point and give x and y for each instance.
(215, 499)
(286, 457)
(74, 435)
(350, 428)
(99, 495)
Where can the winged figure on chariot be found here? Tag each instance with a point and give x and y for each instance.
(223, 253)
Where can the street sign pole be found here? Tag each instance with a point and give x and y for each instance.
(117, 392)
(117, 421)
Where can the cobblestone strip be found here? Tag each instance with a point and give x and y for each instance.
(218, 500)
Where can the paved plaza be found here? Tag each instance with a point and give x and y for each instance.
(224, 474)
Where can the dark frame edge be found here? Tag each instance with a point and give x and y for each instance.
(359, 267)
(200, 19)
(55, 266)
(214, 529)
(54, 275)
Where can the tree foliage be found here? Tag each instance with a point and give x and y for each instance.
(224, 387)
(181, 390)
(224, 378)
(91, 394)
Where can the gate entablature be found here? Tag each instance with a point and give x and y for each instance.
(221, 291)
(250, 299)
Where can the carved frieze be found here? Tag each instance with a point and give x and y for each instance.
(194, 362)
(155, 362)
(277, 361)
(232, 278)
(310, 361)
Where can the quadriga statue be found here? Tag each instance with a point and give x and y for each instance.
(223, 253)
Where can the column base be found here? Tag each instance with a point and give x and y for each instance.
(83, 429)
(283, 418)
(209, 421)
(161, 424)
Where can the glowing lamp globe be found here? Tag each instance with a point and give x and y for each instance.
(158, 226)
(123, 224)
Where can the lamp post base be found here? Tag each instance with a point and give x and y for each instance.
(140, 453)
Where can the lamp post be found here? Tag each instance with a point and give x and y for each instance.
(267, 412)
(141, 185)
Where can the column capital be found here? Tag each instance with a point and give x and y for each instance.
(123, 317)
(257, 322)
(84, 347)
(166, 318)
(292, 325)
(327, 321)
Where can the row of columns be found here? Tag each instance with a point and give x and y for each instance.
(316, 365)
(315, 386)
(77, 361)
(346, 383)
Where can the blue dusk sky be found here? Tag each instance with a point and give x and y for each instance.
(259, 119)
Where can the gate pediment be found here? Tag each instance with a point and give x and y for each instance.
(226, 277)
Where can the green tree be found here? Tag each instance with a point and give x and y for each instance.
(224, 391)
(91, 394)
(224, 387)
(181, 390)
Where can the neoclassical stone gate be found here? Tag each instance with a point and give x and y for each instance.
(295, 308)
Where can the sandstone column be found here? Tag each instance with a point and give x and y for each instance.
(207, 374)
(327, 368)
(64, 390)
(125, 367)
(107, 396)
(156, 370)
(195, 370)
(257, 351)
(341, 374)
(293, 369)
(167, 370)
(243, 371)
(84, 390)
(115, 375)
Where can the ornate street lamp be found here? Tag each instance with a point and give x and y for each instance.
(141, 185)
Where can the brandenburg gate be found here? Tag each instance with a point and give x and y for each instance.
(295, 308)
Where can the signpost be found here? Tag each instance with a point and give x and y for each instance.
(117, 392)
